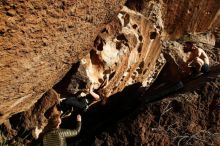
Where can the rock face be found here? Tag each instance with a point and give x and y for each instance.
(39, 41)
(127, 51)
(179, 17)
(190, 16)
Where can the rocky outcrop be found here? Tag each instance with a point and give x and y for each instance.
(190, 16)
(122, 55)
(127, 51)
(176, 18)
(39, 41)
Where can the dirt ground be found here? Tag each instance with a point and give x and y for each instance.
(191, 118)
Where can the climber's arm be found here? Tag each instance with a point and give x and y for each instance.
(71, 133)
(94, 95)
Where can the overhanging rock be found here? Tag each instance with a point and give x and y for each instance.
(39, 41)
(127, 51)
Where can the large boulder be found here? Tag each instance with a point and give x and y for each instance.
(126, 52)
(39, 42)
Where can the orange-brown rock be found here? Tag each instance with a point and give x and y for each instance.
(127, 51)
(40, 40)
(176, 18)
(190, 16)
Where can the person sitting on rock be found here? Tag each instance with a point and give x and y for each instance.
(198, 60)
(56, 136)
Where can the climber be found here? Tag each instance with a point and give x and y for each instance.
(56, 136)
(198, 60)
(67, 105)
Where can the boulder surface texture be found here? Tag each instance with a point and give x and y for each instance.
(39, 42)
